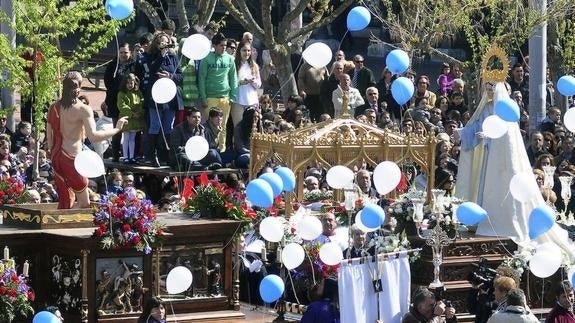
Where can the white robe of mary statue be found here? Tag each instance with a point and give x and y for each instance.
(486, 167)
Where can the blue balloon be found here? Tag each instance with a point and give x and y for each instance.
(402, 90)
(507, 109)
(541, 219)
(470, 213)
(288, 178)
(271, 288)
(372, 216)
(260, 193)
(397, 61)
(119, 9)
(358, 18)
(275, 182)
(566, 85)
(45, 317)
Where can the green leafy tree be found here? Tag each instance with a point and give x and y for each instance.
(42, 25)
(281, 39)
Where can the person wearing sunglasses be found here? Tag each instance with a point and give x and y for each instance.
(361, 76)
(231, 47)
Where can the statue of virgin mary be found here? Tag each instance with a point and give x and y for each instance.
(487, 165)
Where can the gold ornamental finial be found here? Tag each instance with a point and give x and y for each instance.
(495, 65)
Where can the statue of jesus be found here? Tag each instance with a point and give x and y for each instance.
(68, 120)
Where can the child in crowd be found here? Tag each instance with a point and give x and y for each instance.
(130, 103)
(45, 166)
(457, 103)
(115, 182)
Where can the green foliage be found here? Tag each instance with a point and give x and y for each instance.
(566, 40)
(42, 25)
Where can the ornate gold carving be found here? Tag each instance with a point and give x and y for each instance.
(340, 142)
(498, 74)
(68, 218)
(20, 216)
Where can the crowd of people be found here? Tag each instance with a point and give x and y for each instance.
(229, 94)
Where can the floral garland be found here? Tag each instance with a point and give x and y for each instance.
(125, 221)
(15, 294)
(392, 243)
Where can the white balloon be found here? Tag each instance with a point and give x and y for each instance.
(339, 177)
(386, 177)
(523, 187)
(494, 127)
(179, 280)
(164, 90)
(197, 148)
(330, 253)
(362, 226)
(292, 255)
(309, 227)
(196, 46)
(89, 164)
(317, 55)
(569, 119)
(546, 260)
(271, 229)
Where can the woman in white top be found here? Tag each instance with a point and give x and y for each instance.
(249, 81)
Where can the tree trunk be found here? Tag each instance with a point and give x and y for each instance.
(182, 18)
(282, 60)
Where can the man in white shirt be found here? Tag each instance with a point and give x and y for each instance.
(330, 234)
(353, 95)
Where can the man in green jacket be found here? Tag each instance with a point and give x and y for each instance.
(218, 83)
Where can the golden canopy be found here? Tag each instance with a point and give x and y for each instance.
(340, 142)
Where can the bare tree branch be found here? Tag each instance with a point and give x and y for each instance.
(284, 26)
(267, 19)
(321, 21)
(244, 17)
(150, 12)
(205, 12)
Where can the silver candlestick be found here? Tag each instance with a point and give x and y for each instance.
(437, 240)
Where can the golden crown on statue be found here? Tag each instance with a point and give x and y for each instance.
(495, 65)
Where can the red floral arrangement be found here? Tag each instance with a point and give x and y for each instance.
(209, 196)
(125, 221)
(15, 294)
(13, 190)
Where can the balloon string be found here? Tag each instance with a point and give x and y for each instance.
(341, 41)
(117, 55)
(312, 270)
(109, 206)
(293, 287)
(173, 312)
(288, 80)
(162, 127)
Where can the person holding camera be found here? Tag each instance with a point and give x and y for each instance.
(562, 312)
(515, 311)
(426, 309)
